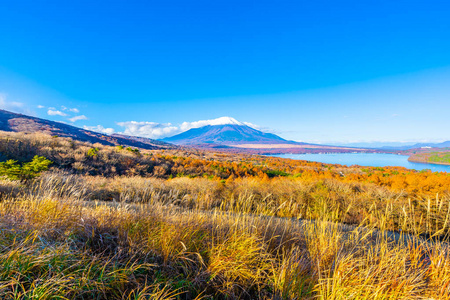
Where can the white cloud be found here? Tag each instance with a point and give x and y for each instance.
(64, 112)
(77, 118)
(51, 112)
(161, 130)
(74, 110)
(100, 128)
(12, 105)
(149, 129)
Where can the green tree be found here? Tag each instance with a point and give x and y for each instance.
(93, 152)
(134, 151)
(12, 170)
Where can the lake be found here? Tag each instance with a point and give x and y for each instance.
(366, 159)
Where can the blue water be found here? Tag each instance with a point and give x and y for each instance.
(367, 159)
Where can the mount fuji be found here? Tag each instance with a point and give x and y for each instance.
(229, 134)
(225, 131)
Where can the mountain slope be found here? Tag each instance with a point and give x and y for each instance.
(143, 140)
(10, 121)
(227, 134)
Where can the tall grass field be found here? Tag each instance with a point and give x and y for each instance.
(118, 223)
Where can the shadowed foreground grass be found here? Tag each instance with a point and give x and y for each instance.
(55, 245)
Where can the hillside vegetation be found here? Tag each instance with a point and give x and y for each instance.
(14, 122)
(123, 223)
(435, 157)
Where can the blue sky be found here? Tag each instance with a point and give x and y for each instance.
(317, 71)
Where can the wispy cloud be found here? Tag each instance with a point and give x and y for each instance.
(52, 112)
(161, 130)
(64, 111)
(100, 128)
(12, 105)
(77, 118)
(74, 110)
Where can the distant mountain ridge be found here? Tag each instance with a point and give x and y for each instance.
(445, 144)
(433, 145)
(10, 121)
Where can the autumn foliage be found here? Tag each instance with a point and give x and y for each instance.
(87, 159)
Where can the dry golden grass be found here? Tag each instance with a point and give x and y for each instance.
(57, 245)
(329, 200)
(72, 236)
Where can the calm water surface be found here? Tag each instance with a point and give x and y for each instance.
(367, 159)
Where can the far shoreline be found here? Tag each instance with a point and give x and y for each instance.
(428, 162)
(377, 160)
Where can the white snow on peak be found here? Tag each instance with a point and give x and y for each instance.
(225, 121)
(219, 121)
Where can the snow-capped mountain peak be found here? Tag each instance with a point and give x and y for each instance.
(225, 121)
